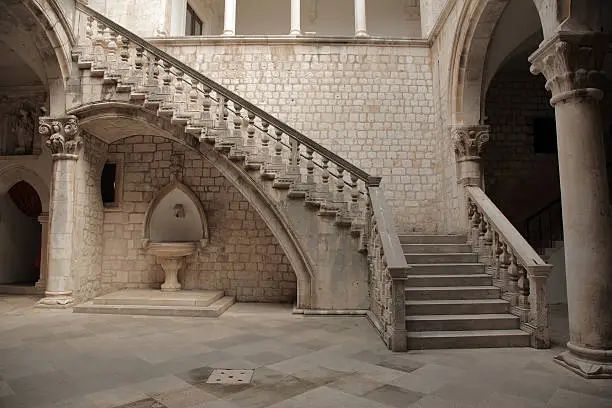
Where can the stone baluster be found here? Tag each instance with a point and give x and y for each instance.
(111, 57)
(340, 185)
(277, 161)
(166, 92)
(355, 193)
(99, 51)
(487, 241)
(309, 166)
(265, 142)
(513, 278)
(138, 69)
(89, 39)
(179, 95)
(63, 139)
(492, 268)
(523, 295)
(193, 104)
(504, 261)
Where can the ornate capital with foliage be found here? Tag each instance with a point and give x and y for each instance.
(63, 136)
(572, 64)
(468, 141)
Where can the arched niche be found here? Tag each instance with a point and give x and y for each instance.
(175, 215)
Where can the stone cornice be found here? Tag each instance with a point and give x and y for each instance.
(63, 136)
(572, 64)
(468, 140)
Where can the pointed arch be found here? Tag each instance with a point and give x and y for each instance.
(12, 174)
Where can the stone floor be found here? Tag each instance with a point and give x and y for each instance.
(59, 359)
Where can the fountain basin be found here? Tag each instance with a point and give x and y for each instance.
(172, 249)
(171, 256)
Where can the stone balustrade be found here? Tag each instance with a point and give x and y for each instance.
(388, 269)
(514, 265)
(213, 114)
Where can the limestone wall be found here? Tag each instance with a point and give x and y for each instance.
(518, 180)
(243, 257)
(371, 104)
(88, 222)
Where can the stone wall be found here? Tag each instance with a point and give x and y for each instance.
(243, 257)
(88, 222)
(518, 180)
(371, 104)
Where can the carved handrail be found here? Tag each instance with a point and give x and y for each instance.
(515, 266)
(388, 272)
(293, 134)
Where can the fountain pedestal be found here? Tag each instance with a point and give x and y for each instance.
(171, 256)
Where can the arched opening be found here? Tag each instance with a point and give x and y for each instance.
(20, 235)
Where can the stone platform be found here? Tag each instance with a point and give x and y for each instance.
(20, 289)
(189, 303)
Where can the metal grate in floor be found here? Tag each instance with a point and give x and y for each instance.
(230, 377)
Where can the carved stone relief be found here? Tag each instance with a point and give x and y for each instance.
(18, 118)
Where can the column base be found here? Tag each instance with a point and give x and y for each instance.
(587, 363)
(56, 302)
(295, 32)
(362, 34)
(228, 34)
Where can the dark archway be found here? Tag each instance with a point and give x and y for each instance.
(20, 234)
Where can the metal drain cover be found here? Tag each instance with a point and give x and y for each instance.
(232, 377)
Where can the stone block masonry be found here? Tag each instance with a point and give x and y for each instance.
(243, 258)
(369, 103)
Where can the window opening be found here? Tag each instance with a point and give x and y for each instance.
(193, 24)
(109, 183)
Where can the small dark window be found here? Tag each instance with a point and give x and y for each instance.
(109, 181)
(193, 24)
(544, 135)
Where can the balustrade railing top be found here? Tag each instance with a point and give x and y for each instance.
(293, 134)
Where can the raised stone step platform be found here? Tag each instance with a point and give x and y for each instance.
(148, 302)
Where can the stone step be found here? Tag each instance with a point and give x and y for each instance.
(452, 292)
(467, 339)
(432, 239)
(436, 248)
(500, 321)
(447, 269)
(456, 306)
(449, 280)
(214, 310)
(441, 258)
(192, 298)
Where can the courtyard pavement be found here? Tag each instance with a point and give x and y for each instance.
(51, 358)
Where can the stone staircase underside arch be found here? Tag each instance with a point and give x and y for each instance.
(317, 250)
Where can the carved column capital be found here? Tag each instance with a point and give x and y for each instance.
(468, 141)
(63, 136)
(572, 64)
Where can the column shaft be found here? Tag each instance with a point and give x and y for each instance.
(229, 19)
(572, 64)
(295, 18)
(360, 19)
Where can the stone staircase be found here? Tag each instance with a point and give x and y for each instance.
(450, 300)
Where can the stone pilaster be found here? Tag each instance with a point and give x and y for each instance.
(62, 138)
(43, 219)
(572, 64)
(468, 141)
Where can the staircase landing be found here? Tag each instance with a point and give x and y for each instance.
(149, 302)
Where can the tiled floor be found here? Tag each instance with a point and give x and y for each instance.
(59, 359)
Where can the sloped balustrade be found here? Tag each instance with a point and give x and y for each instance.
(516, 268)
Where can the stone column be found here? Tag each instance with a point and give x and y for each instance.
(43, 218)
(360, 19)
(295, 18)
(64, 141)
(179, 15)
(161, 30)
(229, 18)
(572, 64)
(468, 141)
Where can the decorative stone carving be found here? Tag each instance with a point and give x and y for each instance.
(572, 64)
(468, 141)
(17, 124)
(62, 136)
